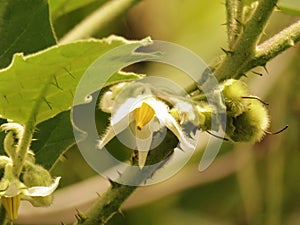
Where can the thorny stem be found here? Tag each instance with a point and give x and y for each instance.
(23, 146)
(26, 139)
(109, 203)
(234, 14)
(245, 56)
(235, 62)
(274, 46)
(97, 20)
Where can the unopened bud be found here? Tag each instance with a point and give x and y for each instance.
(36, 175)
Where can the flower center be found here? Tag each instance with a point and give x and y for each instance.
(143, 115)
(11, 205)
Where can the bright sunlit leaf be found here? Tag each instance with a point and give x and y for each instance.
(41, 85)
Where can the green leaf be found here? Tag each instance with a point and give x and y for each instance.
(42, 85)
(61, 7)
(54, 137)
(290, 6)
(24, 27)
(51, 139)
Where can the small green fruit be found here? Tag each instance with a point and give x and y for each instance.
(233, 91)
(250, 126)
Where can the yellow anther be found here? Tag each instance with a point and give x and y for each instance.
(175, 114)
(11, 205)
(143, 115)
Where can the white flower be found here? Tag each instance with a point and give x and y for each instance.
(185, 112)
(13, 190)
(146, 114)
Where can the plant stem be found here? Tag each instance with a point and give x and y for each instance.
(109, 203)
(29, 127)
(234, 13)
(97, 20)
(244, 55)
(274, 46)
(235, 62)
(23, 146)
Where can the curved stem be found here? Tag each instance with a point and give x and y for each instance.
(97, 20)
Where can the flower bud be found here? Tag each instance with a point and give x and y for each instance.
(14, 133)
(36, 175)
(107, 100)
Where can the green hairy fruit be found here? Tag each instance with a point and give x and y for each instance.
(233, 91)
(251, 125)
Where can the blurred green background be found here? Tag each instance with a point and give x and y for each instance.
(252, 184)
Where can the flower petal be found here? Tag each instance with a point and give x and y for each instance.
(41, 191)
(113, 130)
(142, 158)
(11, 205)
(143, 143)
(173, 126)
(163, 115)
(108, 136)
(14, 188)
(120, 120)
(123, 111)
